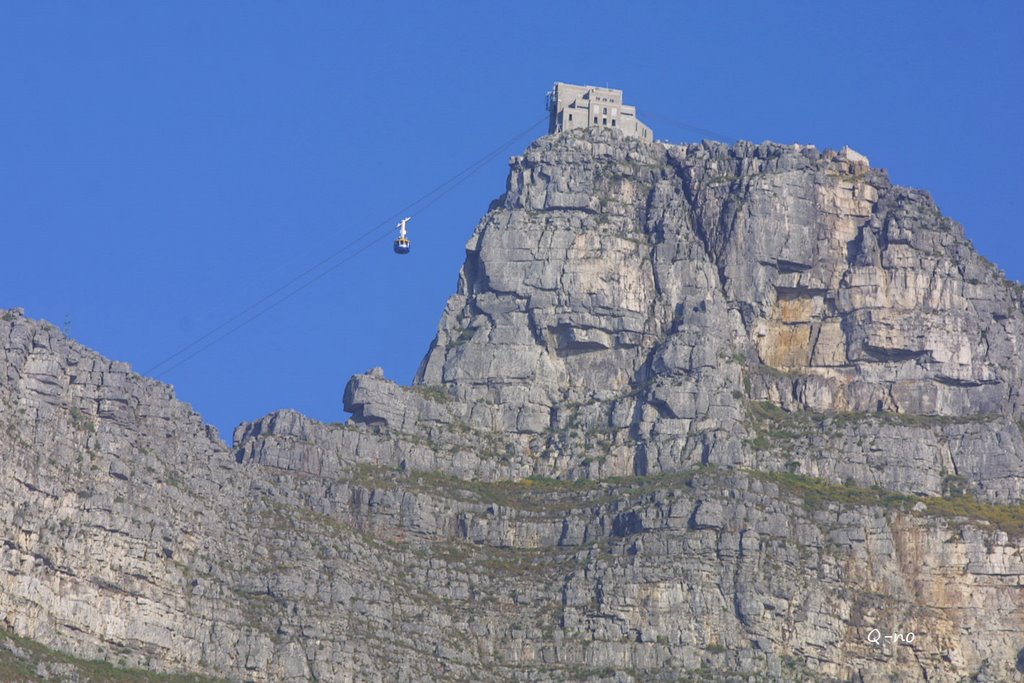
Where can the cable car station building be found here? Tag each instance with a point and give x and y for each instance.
(584, 106)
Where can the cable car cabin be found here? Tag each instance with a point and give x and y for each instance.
(402, 243)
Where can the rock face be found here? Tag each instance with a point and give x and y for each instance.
(695, 412)
(644, 295)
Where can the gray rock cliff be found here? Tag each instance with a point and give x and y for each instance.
(694, 413)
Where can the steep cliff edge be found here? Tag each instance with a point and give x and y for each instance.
(694, 411)
(625, 305)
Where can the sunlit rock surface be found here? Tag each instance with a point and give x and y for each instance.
(695, 412)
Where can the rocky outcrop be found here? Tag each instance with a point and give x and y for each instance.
(641, 296)
(695, 411)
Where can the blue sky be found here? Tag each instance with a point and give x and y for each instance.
(165, 165)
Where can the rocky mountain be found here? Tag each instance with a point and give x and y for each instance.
(695, 412)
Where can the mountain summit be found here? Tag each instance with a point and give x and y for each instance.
(696, 412)
(648, 297)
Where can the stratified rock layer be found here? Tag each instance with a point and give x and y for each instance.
(624, 303)
(695, 412)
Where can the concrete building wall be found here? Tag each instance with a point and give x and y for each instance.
(585, 106)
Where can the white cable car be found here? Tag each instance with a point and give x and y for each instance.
(402, 243)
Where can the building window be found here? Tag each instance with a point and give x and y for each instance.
(613, 123)
(605, 110)
(595, 119)
(605, 121)
(570, 117)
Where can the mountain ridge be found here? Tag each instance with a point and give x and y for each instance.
(697, 411)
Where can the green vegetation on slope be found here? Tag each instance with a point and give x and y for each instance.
(817, 493)
(556, 496)
(26, 661)
(773, 426)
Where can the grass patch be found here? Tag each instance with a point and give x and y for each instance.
(434, 392)
(534, 494)
(766, 410)
(20, 658)
(850, 177)
(955, 486)
(81, 421)
(509, 562)
(819, 493)
(770, 424)
(537, 493)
